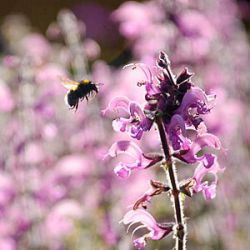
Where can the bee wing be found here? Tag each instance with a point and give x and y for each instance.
(67, 83)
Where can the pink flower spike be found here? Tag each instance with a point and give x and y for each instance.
(156, 232)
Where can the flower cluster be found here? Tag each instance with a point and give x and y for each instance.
(177, 106)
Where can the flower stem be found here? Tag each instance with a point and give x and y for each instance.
(180, 237)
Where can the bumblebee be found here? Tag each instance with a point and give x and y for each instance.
(78, 91)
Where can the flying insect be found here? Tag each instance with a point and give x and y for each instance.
(77, 91)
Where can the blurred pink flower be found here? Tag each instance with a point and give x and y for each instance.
(91, 48)
(11, 61)
(48, 190)
(71, 170)
(7, 244)
(36, 47)
(122, 82)
(231, 116)
(34, 153)
(49, 76)
(60, 220)
(7, 190)
(195, 25)
(74, 165)
(155, 40)
(50, 131)
(109, 234)
(15, 222)
(102, 73)
(196, 34)
(7, 100)
(136, 17)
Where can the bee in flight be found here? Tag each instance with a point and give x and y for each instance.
(77, 91)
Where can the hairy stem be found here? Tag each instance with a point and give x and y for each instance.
(180, 237)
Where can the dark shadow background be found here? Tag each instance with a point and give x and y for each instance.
(42, 12)
(99, 27)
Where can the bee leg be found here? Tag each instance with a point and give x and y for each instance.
(76, 106)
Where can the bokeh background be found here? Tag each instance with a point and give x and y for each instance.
(56, 191)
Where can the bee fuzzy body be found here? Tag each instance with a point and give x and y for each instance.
(79, 91)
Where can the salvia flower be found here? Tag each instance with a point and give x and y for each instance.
(177, 132)
(177, 107)
(174, 98)
(195, 102)
(189, 155)
(156, 231)
(181, 106)
(131, 117)
(167, 94)
(132, 150)
(208, 166)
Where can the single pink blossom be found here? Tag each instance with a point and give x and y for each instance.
(200, 142)
(132, 150)
(208, 166)
(8, 102)
(156, 231)
(134, 120)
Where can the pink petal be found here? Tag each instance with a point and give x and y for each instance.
(122, 171)
(120, 124)
(140, 243)
(142, 216)
(193, 96)
(118, 105)
(201, 141)
(126, 147)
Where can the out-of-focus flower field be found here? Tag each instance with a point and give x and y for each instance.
(58, 187)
